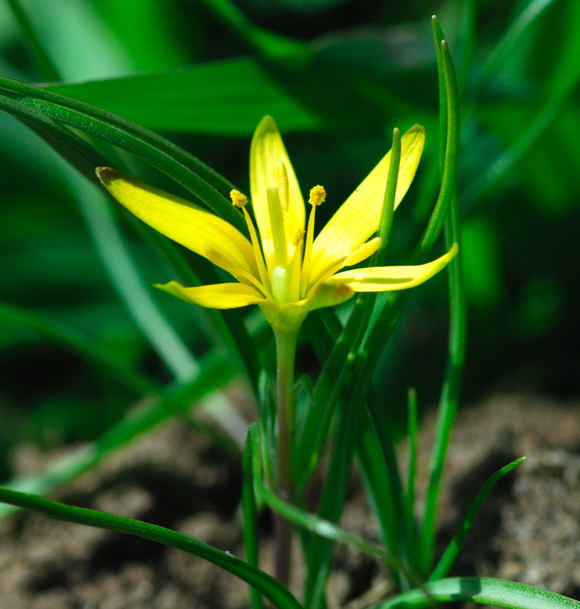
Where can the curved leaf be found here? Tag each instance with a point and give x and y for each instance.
(456, 544)
(274, 591)
(481, 590)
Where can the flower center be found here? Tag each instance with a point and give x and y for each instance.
(285, 278)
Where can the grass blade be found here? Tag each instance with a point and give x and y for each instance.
(481, 590)
(307, 520)
(456, 544)
(458, 321)
(279, 595)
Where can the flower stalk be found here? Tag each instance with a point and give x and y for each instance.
(285, 356)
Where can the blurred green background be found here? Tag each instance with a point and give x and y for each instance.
(337, 75)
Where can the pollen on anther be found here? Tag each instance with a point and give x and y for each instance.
(317, 195)
(238, 199)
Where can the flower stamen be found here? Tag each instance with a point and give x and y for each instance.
(240, 201)
(238, 198)
(317, 197)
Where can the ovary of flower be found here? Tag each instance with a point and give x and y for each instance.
(283, 268)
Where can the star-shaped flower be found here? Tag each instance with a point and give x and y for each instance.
(283, 268)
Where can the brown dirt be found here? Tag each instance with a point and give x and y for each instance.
(528, 529)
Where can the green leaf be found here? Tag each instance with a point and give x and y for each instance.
(279, 595)
(481, 590)
(307, 520)
(456, 544)
(206, 186)
(381, 490)
(161, 153)
(227, 97)
(449, 399)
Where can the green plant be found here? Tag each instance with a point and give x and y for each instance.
(343, 418)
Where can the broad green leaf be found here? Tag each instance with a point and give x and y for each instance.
(227, 97)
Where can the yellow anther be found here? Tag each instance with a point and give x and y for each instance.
(317, 195)
(238, 199)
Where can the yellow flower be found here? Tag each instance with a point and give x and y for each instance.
(282, 267)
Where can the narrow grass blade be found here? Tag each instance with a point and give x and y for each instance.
(279, 595)
(85, 346)
(250, 515)
(458, 317)
(326, 397)
(376, 425)
(483, 591)
(71, 147)
(456, 544)
(394, 305)
(379, 488)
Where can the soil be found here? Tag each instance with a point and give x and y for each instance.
(528, 529)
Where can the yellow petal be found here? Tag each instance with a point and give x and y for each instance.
(215, 296)
(359, 216)
(390, 278)
(363, 252)
(266, 153)
(186, 223)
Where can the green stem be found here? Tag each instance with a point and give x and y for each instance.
(285, 355)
